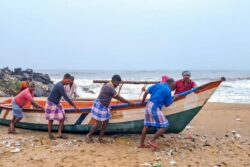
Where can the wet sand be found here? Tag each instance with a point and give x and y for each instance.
(218, 136)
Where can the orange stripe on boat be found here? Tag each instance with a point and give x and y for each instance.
(88, 104)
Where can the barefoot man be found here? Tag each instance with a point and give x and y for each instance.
(154, 117)
(54, 110)
(19, 101)
(101, 111)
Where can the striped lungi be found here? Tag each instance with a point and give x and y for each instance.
(154, 116)
(17, 111)
(54, 111)
(100, 112)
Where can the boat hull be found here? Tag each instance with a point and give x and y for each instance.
(177, 123)
(125, 119)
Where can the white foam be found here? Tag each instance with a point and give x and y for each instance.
(232, 91)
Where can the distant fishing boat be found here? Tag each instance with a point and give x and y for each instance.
(125, 119)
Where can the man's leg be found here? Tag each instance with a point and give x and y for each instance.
(92, 131)
(50, 123)
(11, 124)
(60, 127)
(16, 120)
(157, 116)
(143, 136)
(103, 130)
(156, 136)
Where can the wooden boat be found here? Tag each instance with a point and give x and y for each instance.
(125, 119)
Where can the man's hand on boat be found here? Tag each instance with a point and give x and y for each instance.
(131, 103)
(175, 96)
(35, 105)
(120, 98)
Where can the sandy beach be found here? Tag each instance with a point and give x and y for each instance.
(85, 63)
(218, 136)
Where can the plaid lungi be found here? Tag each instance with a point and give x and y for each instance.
(54, 111)
(17, 111)
(100, 112)
(154, 116)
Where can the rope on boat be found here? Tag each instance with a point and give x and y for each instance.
(143, 89)
(119, 91)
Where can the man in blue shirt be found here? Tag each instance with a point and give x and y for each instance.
(160, 96)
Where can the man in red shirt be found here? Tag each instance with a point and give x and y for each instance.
(19, 101)
(184, 84)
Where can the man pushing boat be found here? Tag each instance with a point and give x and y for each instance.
(154, 117)
(19, 101)
(54, 110)
(101, 111)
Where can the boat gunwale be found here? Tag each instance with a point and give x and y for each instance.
(86, 110)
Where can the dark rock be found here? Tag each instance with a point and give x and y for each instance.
(39, 92)
(50, 87)
(10, 81)
(18, 71)
(25, 75)
(46, 78)
(41, 80)
(29, 71)
(1, 74)
(7, 70)
(38, 80)
(37, 75)
(19, 77)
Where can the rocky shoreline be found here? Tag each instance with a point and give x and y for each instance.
(10, 82)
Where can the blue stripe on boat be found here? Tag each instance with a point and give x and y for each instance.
(80, 119)
(68, 110)
(125, 105)
(187, 92)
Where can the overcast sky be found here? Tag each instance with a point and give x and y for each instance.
(125, 34)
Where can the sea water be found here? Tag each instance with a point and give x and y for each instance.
(236, 88)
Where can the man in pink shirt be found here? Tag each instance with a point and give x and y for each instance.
(19, 101)
(184, 84)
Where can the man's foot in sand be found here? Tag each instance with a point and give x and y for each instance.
(51, 137)
(10, 132)
(89, 139)
(11, 129)
(152, 144)
(102, 141)
(62, 136)
(144, 146)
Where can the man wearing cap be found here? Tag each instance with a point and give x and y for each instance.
(101, 111)
(184, 84)
(19, 101)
